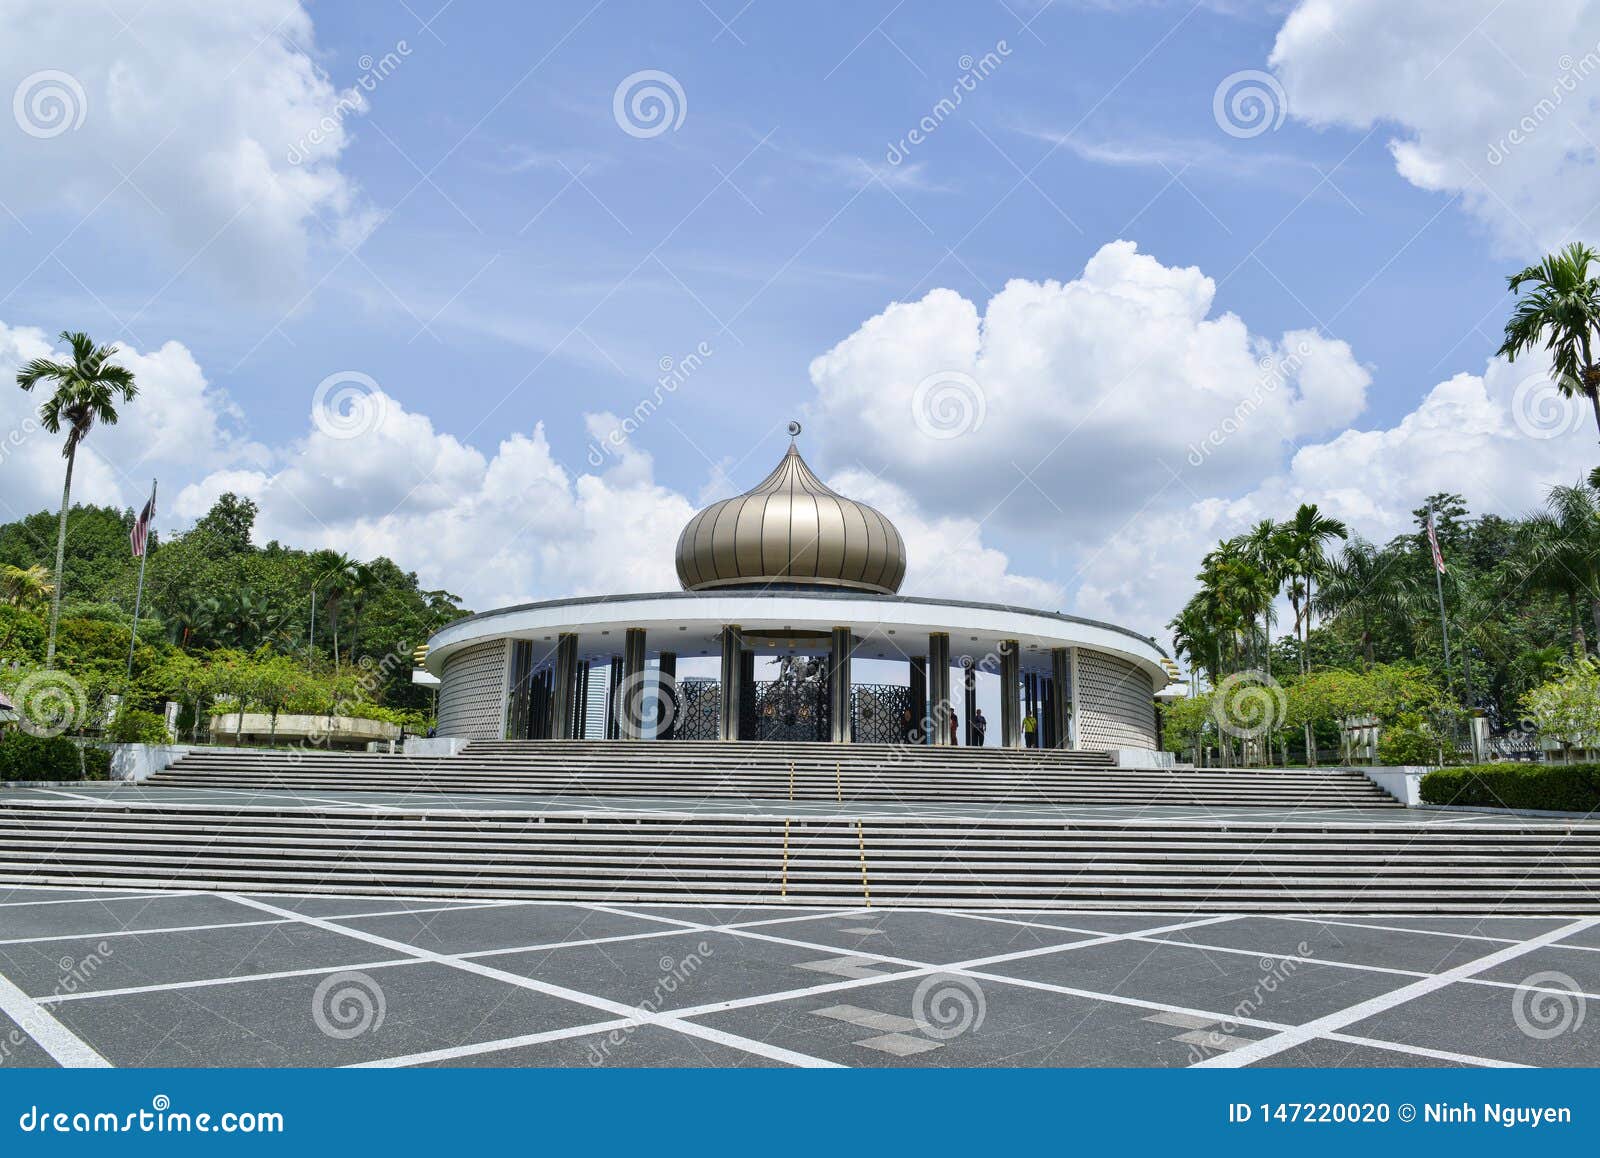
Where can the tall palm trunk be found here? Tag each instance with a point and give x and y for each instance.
(1305, 669)
(61, 556)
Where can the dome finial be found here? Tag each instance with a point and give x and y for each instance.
(794, 430)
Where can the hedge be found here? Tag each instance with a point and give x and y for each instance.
(28, 757)
(1551, 787)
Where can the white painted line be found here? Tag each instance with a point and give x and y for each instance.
(1361, 1011)
(71, 795)
(141, 896)
(1464, 1059)
(227, 925)
(137, 932)
(918, 968)
(761, 1049)
(209, 982)
(451, 1053)
(51, 1036)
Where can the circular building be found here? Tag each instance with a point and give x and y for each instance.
(806, 580)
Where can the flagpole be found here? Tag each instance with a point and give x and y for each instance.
(1438, 583)
(138, 599)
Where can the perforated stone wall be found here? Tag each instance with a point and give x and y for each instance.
(472, 692)
(1114, 705)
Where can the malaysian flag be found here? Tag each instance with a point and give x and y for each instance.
(141, 525)
(1433, 545)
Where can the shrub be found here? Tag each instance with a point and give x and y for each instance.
(133, 726)
(1409, 740)
(28, 757)
(1552, 787)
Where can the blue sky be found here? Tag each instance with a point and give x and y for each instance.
(487, 243)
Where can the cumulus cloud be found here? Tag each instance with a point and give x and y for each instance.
(178, 417)
(1500, 439)
(210, 125)
(1486, 100)
(1077, 403)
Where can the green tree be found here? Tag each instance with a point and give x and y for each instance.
(1567, 708)
(85, 389)
(1559, 308)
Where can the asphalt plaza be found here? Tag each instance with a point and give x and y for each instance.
(163, 978)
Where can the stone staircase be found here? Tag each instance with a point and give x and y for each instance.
(1376, 865)
(841, 773)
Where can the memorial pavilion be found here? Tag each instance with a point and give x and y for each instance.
(793, 571)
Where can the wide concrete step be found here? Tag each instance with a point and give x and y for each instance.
(1340, 866)
(763, 771)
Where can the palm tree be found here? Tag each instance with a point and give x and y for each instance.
(341, 575)
(1561, 554)
(1307, 536)
(25, 586)
(1362, 582)
(87, 388)
(1561, 309)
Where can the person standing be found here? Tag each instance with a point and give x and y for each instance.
(979, 729)
(954, 728)
(1030, 729)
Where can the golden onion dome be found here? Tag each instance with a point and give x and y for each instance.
(791, 530)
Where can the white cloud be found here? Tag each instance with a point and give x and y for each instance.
(190, 116)
(946, 556)
(1101, 389)
(519, 525)
(1500, 439)
(178, 418)
(1491, 101)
